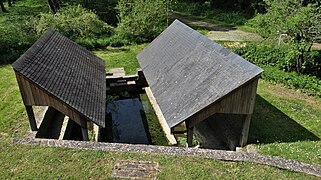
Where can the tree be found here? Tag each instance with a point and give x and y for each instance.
(3, 9)
(141, 20)
(298, 20)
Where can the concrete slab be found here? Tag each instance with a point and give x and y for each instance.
(135, 169)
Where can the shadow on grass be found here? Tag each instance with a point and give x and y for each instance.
(200, 23)
(269, 125)
(117, 49)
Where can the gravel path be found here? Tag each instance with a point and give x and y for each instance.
(206, 153)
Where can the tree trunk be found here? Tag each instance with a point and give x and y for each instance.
(54, 5)
(9, 3)
(2, 7)
(299, 63)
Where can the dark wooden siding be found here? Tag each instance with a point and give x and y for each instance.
(34, 95)
(67, 71)
(240, 101)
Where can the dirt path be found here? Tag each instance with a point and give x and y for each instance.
(218, 32)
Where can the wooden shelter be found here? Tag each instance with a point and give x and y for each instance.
(192, 78)
(58, 73)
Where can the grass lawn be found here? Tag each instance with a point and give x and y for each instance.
(286, 123)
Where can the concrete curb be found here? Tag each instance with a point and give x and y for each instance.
(275, 161)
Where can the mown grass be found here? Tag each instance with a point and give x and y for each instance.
(281, 125)
(36, 162)
(286, 123)
(20, 161)
(121, 57)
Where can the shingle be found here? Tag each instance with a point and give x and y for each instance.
(187, 71)
(68, 72)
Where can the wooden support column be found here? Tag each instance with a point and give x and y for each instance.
(84, 130)
(245, 130)
(190, 130)
(31, 117)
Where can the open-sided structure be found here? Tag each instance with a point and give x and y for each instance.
(58, 73)
(191, 78)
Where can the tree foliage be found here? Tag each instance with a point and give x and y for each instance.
(141, 20)
(105, 9)
(297, 20)
(74, 22)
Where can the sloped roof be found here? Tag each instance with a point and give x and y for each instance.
(187, 72)
(68, 72)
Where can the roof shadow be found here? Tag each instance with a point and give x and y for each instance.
(269, 125)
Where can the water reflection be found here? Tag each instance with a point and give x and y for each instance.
(127, 123)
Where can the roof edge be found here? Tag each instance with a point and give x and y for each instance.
(244, 84)
(30, 53)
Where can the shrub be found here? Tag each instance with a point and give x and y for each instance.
(16, 38)
(75, 22)
(263, 54)
(308, 84)
(141, 20)
(104, 9)
(281, 56)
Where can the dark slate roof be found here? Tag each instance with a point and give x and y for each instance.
(68, 72)
(187, 72)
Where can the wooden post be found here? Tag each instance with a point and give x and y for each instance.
(245, 130)
(84, 130)
(189, 135)
(31, 117)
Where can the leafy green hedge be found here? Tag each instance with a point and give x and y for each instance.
(281, 56)
(305, 83)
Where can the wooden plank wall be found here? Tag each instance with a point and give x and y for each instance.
(240, 101)
(33, 95)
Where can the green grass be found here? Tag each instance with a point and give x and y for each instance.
(20, 161)
(287, 123)
(121, 57)
(11, 106)
(35, 162)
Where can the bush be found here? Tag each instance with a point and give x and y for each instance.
(308, 84)
(141, 20)
(104, 9)
(15, 39)
(281, 56)
(262, 54)
(75, 22)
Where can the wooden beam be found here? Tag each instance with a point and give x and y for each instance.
(31, 117)
(245, 130)
(170, 137)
